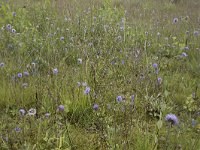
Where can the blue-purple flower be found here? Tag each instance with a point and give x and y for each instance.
(61, 108)
(119, 99)
(132, 99)
(14, 14)
(155, 65)
(194, 122)
(79, 84)
(186, 48)
(196, 32)
(2, 64)
(55, 71)
(87, 90)
(184, 54)
(17, 129)
(22, 112)
(13, 31)
(8, 27)
(175, 20)
(47, 115)
(95, 106)
(171, 118)
(26, 73)
(62, 38)
(159, 80)
(19, 75)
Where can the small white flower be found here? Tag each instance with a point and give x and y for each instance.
(80, 61)
(32, 112)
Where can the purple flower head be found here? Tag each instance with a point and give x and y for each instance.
(123, 62)
(19, 75)
(80, 61)
(155, 65)
(175, 20)
(194, 122)
(62, 38)
(196, 32)
(26, 73)
(159, 80)
(61, 108)
(95, 106)
(79, 84)
(132, 98)
(186, 48)
(47, 115)
(2, 64)
(22, 112)
(55, 71)
(171, 118)
(32, 112)
(8, 27)
(14, 14)
(184, 54)
(119, 99)
(17, 129)
(87, 90)
(13, 31)
(193, 95)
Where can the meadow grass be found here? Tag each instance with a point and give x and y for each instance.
(90, 74)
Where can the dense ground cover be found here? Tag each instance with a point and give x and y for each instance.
(99, 74)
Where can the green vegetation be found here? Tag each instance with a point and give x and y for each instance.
(92, 75)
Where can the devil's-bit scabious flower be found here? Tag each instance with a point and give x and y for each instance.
(194, 122)
(19, 75)
(62, 38)
(14, 14)
(78, 84)
(55, 71)
(2, 65)
(119, 99)
(8, 27)
(32, 112)
(26, 73)
(80, 61)
(196, 32)
(61, 108)
(171, 118)
(95, 106)
(159, 80)
(155, 65)
(87, 90)
(184, 54)
(186, 48)
(132, 99)
(175, 20)
(22, 112)
(17, 129)
(47, 115)
(13, 31)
